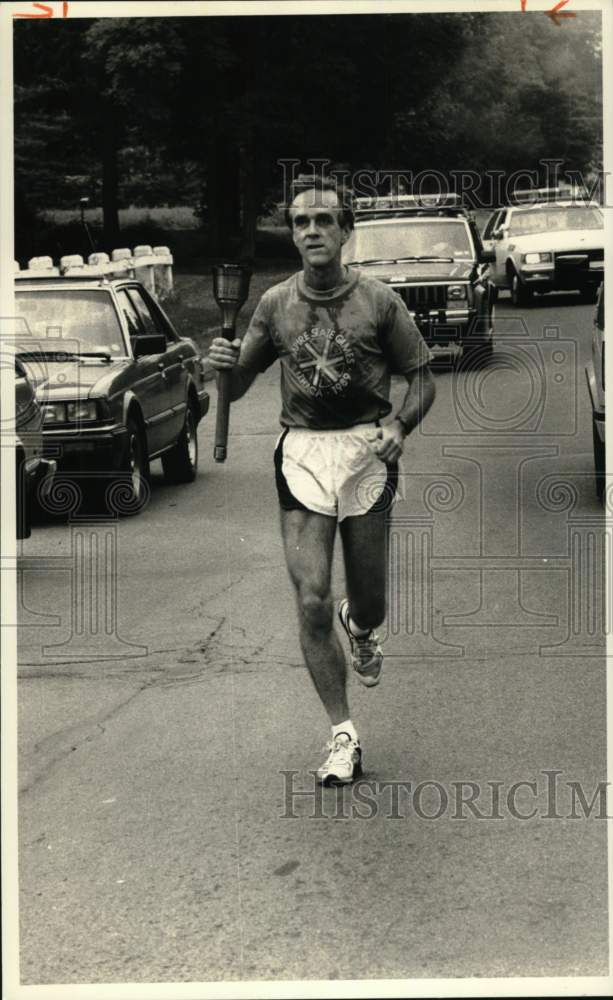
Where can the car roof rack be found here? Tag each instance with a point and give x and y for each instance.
(403, 213)
(567, 192)
(407, 203)
(81, 277)
(403, 205)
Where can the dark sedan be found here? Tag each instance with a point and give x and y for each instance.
(118, 386)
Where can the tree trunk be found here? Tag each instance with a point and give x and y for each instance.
(223, 197)
(212, 214)
(231, 206)
(110, 180)
(249, 198)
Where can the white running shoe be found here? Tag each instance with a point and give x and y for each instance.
(344, 761)
(366, 653)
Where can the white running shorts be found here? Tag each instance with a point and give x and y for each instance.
(336, 473)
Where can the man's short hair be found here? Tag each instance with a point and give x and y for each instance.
(319, 184)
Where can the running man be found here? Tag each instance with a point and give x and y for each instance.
(339, 335)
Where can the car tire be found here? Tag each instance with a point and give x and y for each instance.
(128, 494)
(180, 463)
(600, 470)
(520, 295)
(24, 505)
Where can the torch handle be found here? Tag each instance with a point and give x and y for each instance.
(222, 418)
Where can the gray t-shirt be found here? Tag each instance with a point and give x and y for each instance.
(337, 349)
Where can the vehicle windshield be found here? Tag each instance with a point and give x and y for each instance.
(559, 219)
(78, 321)
(401, 238)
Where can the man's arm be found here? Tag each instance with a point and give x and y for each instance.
(247, 358)
(224, 356)
(417, 401)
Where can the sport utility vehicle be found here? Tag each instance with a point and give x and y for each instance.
(431, 254)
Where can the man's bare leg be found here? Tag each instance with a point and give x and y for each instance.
(308, 539)
(365, 541)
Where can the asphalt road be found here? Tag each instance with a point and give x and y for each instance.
(159, 839)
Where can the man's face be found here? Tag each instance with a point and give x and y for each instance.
(315, 227)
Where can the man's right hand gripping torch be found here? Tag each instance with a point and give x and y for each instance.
(230, 288)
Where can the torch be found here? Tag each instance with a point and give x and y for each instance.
(230, 288)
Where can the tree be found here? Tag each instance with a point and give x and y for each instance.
(233, 96)
(523, 91)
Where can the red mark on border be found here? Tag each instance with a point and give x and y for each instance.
(556, 12)
(47, 11)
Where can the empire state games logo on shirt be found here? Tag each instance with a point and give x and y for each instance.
(322, 357)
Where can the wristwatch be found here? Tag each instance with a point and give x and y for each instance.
(406, 430)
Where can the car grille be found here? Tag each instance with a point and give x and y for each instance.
(577, 258)
(421, 298)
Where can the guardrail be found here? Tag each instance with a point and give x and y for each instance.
(153, 266)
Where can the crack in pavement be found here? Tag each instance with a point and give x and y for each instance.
(65, 741)
(218, 657)
(202, 603)
(59, 745)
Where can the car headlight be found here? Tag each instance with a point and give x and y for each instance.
(72, 413)
(537, 258)
(456, 292)
(84, 409)
(54, 413)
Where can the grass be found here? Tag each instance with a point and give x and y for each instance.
(194, 311)
(174, 217)
(59, 232)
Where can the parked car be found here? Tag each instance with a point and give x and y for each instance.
(596, 384)
(33, 473)
(430, 252)
(547, 244)
(117, 385)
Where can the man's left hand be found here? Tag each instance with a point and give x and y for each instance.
(389, 442)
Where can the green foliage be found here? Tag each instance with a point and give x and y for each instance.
(523, 90)
(199, 110)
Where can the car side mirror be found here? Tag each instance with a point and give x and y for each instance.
(497, 234)
(487, 257)
(148, 343)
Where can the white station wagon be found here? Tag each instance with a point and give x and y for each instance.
(547, 245)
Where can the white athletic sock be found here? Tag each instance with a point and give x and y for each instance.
(345, 727)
